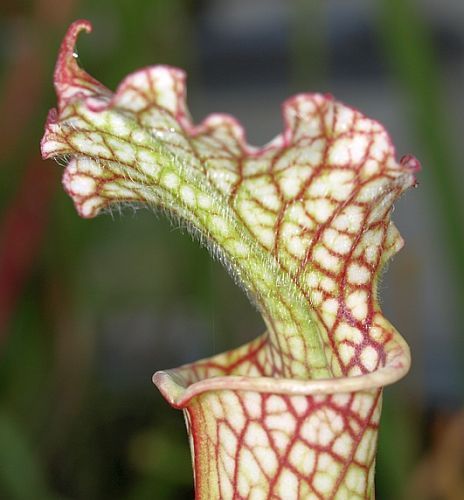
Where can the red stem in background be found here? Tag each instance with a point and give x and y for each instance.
(21, 233)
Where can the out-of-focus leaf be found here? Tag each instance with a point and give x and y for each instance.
(21, 473)
(398, 447)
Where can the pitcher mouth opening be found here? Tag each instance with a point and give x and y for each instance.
(179, 392)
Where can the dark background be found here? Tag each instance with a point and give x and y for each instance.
(89, 309)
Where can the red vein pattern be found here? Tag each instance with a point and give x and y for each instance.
(303, 224)
(281, 446)
(254, 437)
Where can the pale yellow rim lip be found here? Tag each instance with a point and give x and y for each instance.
(179, 396)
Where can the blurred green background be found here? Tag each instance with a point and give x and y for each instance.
(90, 309)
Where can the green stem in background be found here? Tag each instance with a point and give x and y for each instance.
(409, 46)
(413, 57)
(309, 50)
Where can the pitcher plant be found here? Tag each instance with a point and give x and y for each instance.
(303, 226)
